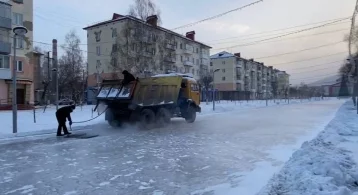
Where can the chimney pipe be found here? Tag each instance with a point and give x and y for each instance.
(237, 55)
(191, 35)
(116, 16)
(152, 20)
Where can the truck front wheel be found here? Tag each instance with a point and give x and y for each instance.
(147, 119)
(190, 115)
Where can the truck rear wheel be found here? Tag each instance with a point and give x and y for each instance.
(114, 123)
(147, 119)
(190, 115)
(163, 117)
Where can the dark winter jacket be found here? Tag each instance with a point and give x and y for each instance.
(128, 77)
(65, 112)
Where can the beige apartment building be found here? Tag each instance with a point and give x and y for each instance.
(16, 13)
(143, 48)
(246, 75)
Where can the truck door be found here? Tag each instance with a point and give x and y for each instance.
(194, 94)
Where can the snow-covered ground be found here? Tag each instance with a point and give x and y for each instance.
(226, 153)
(46, 121)
(325, 165)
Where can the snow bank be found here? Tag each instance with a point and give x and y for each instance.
(45, 121)
(325, 165)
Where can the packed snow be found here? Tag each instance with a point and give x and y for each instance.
(325, 165)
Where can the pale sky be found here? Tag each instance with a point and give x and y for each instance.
(53, 19)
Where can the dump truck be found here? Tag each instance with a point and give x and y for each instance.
(151, 101)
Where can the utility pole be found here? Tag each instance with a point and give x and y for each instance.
(48, 77)
(355, 85)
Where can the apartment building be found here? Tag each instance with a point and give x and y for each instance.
(235, 73)
(142, 47)
(16, 13)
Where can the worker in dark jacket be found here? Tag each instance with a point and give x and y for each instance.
(128, 77)
(61, 115)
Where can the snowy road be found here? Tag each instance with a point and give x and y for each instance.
(224, 153)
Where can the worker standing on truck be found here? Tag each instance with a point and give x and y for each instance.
(61, 115)
(127, 77)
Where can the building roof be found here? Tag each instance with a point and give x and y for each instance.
(121, 17)
(223, 54)
(331, 80)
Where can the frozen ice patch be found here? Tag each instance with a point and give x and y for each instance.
(24, 190)
(70, 193)
(144, 187)
(158, 192)
(115, 177)
(104, 183)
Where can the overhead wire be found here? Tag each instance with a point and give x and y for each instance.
(217, 16)
(287, 34)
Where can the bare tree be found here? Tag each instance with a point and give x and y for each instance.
(143, 8)
(205, 80)
(142, 48)
(71, 68)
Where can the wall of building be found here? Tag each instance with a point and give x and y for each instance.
(106, 43)
(245, 75)
(225, 78)
(3, 91)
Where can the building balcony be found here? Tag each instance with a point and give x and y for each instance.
(5, 47)
(170, 46)
(147, 54)
(188, 63)
(204, 61)
(5, 23)
(188, 49)
(5, 73)
(170, 59)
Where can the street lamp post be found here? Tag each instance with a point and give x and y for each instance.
(18, 31)
(55, 70)
(214, 87)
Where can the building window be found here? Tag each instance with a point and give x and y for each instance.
(193, 71)
(98, 36)
(197, 72)
(193, 60)
(17, 19)
(181, 58)
(5, 12)
(197, 50)
(223, 78)
(114, 48)
(19, 43)
(114, 32)
(98, 50)
(238, 76)
(223, 70)
(98, 65)
(4, 62)
(19, 66)
(238, 86)
(197, 61)
(187, 69)
(181, 46)
(211, 63)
